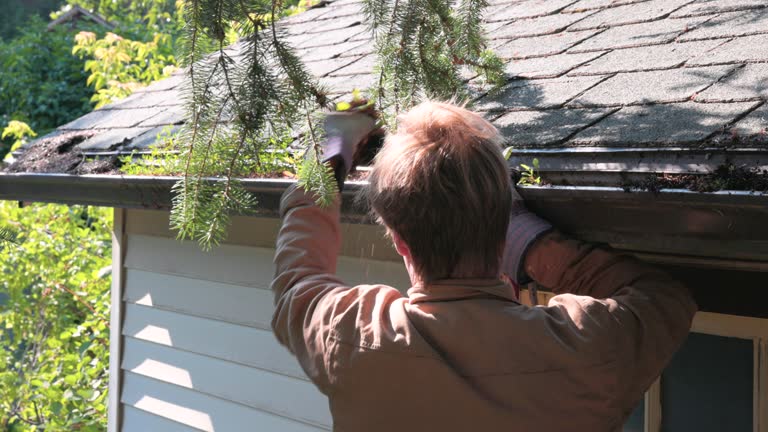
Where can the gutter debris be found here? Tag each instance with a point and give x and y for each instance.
(725, 177)
(59, 153)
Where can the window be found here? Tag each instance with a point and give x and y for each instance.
(717, 381)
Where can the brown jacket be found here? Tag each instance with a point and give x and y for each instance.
(464, 355)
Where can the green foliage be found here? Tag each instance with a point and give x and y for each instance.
(41, 82)
(19, 132)
(54, 326)
(119, 66)
(421, 46)
(529, 176)
(8, 235)
(138, 19)
(19, 11)
(235, 106)
(317, 177)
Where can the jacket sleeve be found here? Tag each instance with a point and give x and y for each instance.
(304, 285)
(640, 310)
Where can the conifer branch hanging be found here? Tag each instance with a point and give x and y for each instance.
(243, 98)
(421, 45)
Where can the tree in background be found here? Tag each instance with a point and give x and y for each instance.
(41, 82)
(18, 11)
(54, 318)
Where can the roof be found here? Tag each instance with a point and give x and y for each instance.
(598, 90)
(76, 12)
(595, 85)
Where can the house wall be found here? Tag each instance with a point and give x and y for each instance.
(195, 347)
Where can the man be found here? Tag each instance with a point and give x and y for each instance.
(459, 353)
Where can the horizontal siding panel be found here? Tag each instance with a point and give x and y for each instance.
(136, 420)
(237, 265)
(200, 411)
(232, 303)
(279, 394)
(358, 240)
(245, 345)
(241, 265)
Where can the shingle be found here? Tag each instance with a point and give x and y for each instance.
(526, 9)
(169, 83)
(536, 26)
(547, 67)
(149, 138)
(171, 115)
(359, 65)
(544, 128)
(339, 50)
(113, 118)
(542, 45)
(538, 94)
(629, 14)
(585, 5)
(332, 37)
(732, 24)
(739, 50)
(646, 58)
(345, 84)
(324, 67)
(149, 99)
(674, 85)
(634, 35)
(750, 82)
(336, 10)
(754, 126)
(311, 15)
(664, 124)
(111, 139)
(706, 7)
(322, 25)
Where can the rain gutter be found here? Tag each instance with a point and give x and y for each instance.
(726, 229)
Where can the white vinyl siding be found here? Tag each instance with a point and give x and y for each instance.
(197, 349)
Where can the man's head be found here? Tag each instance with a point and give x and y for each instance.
(441, 186)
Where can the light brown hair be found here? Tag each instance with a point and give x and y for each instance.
(442, 184)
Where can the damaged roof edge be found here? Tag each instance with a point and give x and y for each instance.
(725, 229)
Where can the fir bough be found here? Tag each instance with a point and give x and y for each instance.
(421, 46)
(241, 97)
(8, 236)
(238, 98)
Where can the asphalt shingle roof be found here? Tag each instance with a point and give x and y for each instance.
(583, 73)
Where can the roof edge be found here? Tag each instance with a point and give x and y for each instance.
(724, 229)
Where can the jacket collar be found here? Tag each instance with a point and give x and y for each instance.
(459, 289)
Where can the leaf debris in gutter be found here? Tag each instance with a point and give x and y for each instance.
(59, 153)
(724, 177)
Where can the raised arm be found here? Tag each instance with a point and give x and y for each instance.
(307, 290)
(632, 312)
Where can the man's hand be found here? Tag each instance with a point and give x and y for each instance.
(344, 131)
(524, 229)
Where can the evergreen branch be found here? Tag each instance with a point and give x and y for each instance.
(8, 236)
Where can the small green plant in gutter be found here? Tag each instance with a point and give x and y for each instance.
(529, 176)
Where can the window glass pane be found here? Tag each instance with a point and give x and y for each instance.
(708, 386)
(636, 421)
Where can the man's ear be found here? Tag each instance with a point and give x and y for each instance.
(400, 245)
